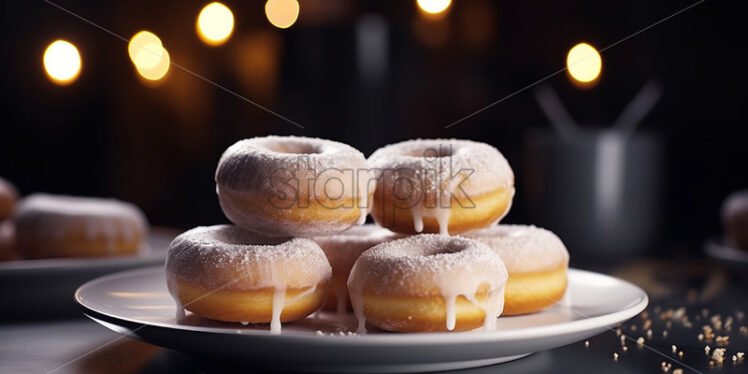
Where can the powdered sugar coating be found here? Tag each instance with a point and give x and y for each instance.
(524, 248)
(425, 174)
(343, 250)
(53, 216)
(430, 265)
(293, 171)
(446, 157)
(8, 197)
(234, 259)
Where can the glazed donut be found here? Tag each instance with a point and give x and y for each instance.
(445, 186)
(229, 274)
(7, 241)
(65, 226)
(536, 260)
(293, 186)
(8, 197)
(428, 282)
(735, 219)
(342, 250)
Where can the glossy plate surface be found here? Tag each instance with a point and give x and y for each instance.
(137, 303)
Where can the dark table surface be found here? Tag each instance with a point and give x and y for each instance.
(685, 295)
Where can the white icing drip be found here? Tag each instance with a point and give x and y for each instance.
(450, 301)
(279, 299)
(355, 290)
(417, 213)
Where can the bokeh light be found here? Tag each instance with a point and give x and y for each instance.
(584, 63)
(433, 6)
(215, 24)
(282, 13)
(157, 71)
(62, 62)
(149, 56)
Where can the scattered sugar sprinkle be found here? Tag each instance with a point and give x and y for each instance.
(673, 348)
(649, 334)
(719, 355)
(707, 349)
(640, 341)
(701, 337)
(625, 348)
(664, 333)
(665, 366)
(618, 331)
(678, 371)
(615, 356)
(586, 343)
(680, 354)
(722, 340)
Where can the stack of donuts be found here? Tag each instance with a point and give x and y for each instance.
(435, 259)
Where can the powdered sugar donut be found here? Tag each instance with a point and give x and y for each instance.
(342, 250)
(536, 260)
(8, 197)
(7, 241)
(445, 186)
(428, 283)
(293, 186)
(65, 226)
(735, 219)
(229, 274)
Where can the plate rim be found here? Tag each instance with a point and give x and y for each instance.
(435, 338)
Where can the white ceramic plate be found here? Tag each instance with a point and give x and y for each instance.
(42, 288)
(137, 303)
(716, 249)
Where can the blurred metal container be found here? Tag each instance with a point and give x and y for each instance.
(598, 190)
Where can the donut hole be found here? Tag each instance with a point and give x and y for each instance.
(237, 236)
(445, 249)
(294, 148)
(438, 151)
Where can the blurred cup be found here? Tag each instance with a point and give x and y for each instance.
(598, 190)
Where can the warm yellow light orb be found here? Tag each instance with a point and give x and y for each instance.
(282, 13)
(215, 24)
(584, 63)
(157, 71)
(141, 40)
(149, 56)
(62, 62)
(433, 6)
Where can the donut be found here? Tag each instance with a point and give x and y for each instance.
(428, 282)
(228, 274)
(536, 260)
(66, 226)
(293, 186)
(7, 241)
(735, 219)
(8, 197)
(445, 186)
(342, 250)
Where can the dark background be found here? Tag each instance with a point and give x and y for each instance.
(108, 134)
